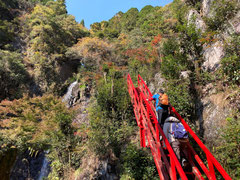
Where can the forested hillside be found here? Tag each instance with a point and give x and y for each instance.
(189, 48)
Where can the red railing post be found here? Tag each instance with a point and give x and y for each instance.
(142, 137)
(173, 169)
(211, 168)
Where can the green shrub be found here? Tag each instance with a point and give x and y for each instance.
(228, 153)
(223, 11)
(6, 33)
(231, 68)
(180, 97)
(230, 63)
(41, 123)
(171, 68)
(107, 134)
(137, 164)
(110, 127)
(38, 122)
(173, 61)
(13, 75)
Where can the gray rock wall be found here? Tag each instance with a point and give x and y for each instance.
(195, 18)
(212, 56)
(206, 5)
(215, 110)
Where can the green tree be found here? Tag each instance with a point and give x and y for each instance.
(173, 60)
(129, 19)
(115, 21)
(137, 164)
(180, 98)
(6, 33)
(41, 123)
(110, 114)
(13, 75)
(82, 23)
(48, 31)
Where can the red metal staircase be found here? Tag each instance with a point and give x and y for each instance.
(167, 164)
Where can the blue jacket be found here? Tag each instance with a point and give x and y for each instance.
(156, 98)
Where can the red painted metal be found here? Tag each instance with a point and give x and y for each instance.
(167, 164)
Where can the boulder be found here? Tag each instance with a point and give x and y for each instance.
(212, 56)
(159, 81)
(213, 110)
(206, 5)
(94, 168)
(151, 87)
(235, 23)
(185, 74)
(195, 18)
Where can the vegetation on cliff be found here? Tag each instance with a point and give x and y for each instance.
(38, 38)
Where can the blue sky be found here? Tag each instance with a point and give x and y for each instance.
(98, 10)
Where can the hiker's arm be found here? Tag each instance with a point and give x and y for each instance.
(150, 99)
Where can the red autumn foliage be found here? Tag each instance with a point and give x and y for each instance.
(141, 54)
(145, 54)
(156, 40)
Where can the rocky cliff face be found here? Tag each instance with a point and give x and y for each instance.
(94, 168)
(212, 111)
(195, 18)
(29, 167)
(157, 83)
(212, 56)
(214, 52)
(214, 105)
(206, 4)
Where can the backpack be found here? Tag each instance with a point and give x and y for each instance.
(179, 131)
(163, 99)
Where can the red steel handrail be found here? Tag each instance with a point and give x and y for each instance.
(146, 117)
(148, 110)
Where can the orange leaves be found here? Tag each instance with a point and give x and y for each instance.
(32, 118)
(145, 54)
(5, 112)
(83, 133)
(156, 40)
(142, 54)
(171, 21)
(138, 53)
(209, 38)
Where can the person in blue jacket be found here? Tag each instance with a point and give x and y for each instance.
(159, 109)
